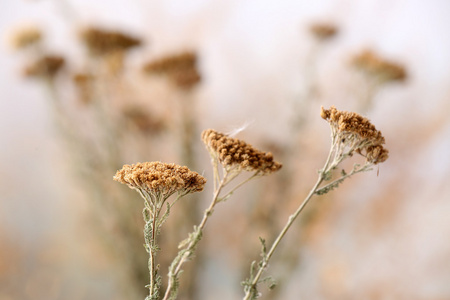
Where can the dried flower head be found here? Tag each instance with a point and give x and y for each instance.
(160, 180)
(180, 69)
(100, 41)
(234, 153)
(25, 36)
(46, 67)
(142, 120)
(323, 31)
(378, 67)
(357, 133)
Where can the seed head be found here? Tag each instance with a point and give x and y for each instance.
(101, 42)
(24, 37)
(357, 132)
(232, 153)
(323, 31)
(179, 68)
(46, 67)
(376, 66)
(161, 179)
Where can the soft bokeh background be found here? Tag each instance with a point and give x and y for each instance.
(377, 237)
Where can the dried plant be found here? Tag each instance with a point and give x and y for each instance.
(350, 134)
(25, 37)
(323, 31)
(118, 129)
(377, 72)
(101, 42)
(180, 69)
(156, 182)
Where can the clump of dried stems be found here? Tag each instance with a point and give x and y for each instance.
(158, 182)
(351, 134)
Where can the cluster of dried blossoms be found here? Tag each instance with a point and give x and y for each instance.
(378, 67)
(356, 134)
(25, 37)
(323, 31)
(160, 180)
(46, 66)
(180, 69)
(100, 42)
(156, 182)
(235, 154)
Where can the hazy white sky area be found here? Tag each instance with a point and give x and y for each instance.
(251, 56)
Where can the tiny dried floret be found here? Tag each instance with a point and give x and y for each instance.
(101, 42)
(352, 128)
(233, 152)
(160, 179)
(379, 67)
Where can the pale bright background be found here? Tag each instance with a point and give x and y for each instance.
(251, 56)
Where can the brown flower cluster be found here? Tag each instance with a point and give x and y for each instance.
(160, 179)
(180, 69)
(376, 66)
(101, 42)
(142, 120)
(323, 31)
(25, 37)
(354, 129)
(47, 66)
(236, 153)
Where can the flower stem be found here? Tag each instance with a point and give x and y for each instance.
(178, 262)
(250, 291)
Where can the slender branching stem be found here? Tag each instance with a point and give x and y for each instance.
(175, 268)
(250, 289)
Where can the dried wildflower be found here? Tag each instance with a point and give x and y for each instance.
(323, 31)
(142, 119)
(233, 153)
(25, 37)
(47, 66)
(157, 181)
(180, 69)
(379, 68)
(100, 41)
(356, 133)
(160, 179)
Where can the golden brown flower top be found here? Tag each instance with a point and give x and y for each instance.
(323, 31)
(232, 153)
(355, 130)
(160, 179)
(26, 36)
(142, 120)
(377, 66)
(47, 66)
(101, 41)
(181, 69)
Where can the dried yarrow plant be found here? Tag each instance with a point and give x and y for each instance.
(156, 182)
(350, 133)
